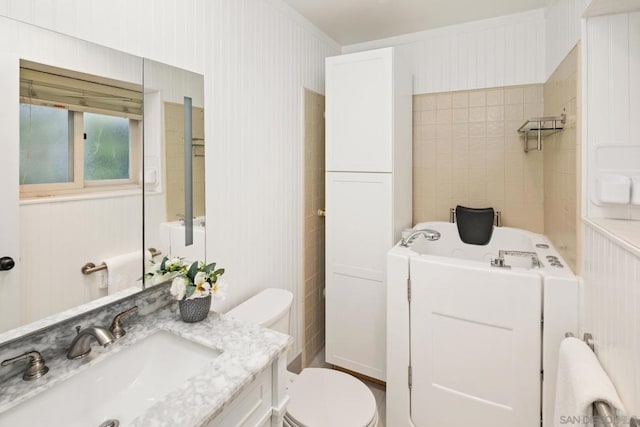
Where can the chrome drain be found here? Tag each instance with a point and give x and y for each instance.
(110, 423)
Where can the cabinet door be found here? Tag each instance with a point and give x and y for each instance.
(359, 112)
(9, 190)
(358, 236)
(251, 408)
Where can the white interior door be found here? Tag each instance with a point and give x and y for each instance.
(475, 345)
(9, 189)
(358, 236)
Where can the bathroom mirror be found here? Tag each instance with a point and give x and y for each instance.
(51, 231)
(71, 114)
(174, 180)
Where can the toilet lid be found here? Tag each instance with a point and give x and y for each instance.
(264, 308)
(324, 397)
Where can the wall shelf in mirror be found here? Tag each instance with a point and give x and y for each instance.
(198, 143)
(540, 127)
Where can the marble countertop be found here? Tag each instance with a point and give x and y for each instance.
(247, 349)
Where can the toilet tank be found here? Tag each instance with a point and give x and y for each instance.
(270, 308)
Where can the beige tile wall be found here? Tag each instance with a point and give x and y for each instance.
(314, 277)
(174, 151)
(561, 161)
(467, 151)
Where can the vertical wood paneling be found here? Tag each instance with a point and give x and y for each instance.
(612, 299)
(256, 56)
(634, 72)
(612, 105)
(619, 79)
(563, 30)
(255, 200)
(503, 51)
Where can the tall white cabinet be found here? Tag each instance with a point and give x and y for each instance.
(368, 199)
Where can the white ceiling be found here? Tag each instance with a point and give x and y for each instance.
(355, 21)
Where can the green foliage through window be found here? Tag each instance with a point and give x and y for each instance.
(106, 148)
(46, 145)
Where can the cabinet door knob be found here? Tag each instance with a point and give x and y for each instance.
(322, 212)
(6, 263)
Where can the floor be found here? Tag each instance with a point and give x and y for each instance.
(377, 390)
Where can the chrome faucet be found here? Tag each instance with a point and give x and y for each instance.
(35, 367)
(428, 234)
(81, 344)
(116, 326)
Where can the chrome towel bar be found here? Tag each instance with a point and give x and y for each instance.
(602, 408)
(90, 267)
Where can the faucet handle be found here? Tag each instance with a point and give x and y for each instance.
(116, 326)
(36, 367)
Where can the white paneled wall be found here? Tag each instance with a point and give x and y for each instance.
(611, 105)
(611, 267)
(504, 51)
(563, 30)
(611, 303)
(256, 56)
(262, 58)
(163, 30)
(47, 47)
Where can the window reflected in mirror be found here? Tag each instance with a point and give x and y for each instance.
(107, 147)
(46, 145)
(78, 133)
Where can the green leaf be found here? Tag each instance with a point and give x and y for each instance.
(193, 270)
(219, 272)
(190, 290)
(163, 265)
(209, 268)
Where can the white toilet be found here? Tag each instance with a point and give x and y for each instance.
(318, 397)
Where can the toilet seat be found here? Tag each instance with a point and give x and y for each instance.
(324, 397)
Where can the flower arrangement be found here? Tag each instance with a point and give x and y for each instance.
(189, 281)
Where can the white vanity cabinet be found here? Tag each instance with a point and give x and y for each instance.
(262, 403)
(368, 199)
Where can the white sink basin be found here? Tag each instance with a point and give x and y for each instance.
(120, 387)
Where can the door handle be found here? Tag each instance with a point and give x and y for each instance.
(6, 263)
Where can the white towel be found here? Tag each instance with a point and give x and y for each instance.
(580, 382)
(123, 271)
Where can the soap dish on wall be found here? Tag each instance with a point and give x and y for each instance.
(614, 188)
(635, 190)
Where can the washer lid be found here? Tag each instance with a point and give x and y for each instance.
(265, 308)
(324, 397)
